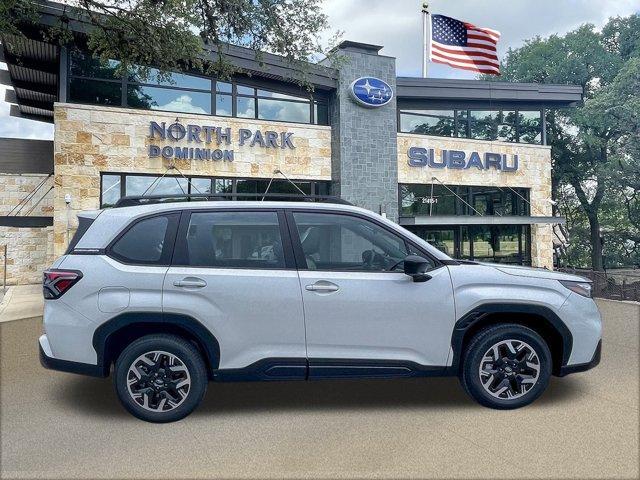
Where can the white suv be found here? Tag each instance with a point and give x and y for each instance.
(175, 294)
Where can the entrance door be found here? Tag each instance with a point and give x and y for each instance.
(231, 271)
(358, 302)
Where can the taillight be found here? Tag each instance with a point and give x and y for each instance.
(56, 282)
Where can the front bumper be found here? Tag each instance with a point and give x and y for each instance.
(47, 360)
(582, 367)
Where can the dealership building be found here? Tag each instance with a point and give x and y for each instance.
(464, 164)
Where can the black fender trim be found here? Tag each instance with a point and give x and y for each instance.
(583, 367)
(482, 311)
(69, 366)
(207, 341)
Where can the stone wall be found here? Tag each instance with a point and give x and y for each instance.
(534, 173)
(92, 139)
(29, 250)
(364, 139)
(15, 188)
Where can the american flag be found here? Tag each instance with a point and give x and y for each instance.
(463, 45)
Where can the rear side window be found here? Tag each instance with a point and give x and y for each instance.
(83, 225)
(148, 241)
(234, 240)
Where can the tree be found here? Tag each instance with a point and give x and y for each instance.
(172, 35)
(594, 146)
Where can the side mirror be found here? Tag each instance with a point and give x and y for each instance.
(416, 266)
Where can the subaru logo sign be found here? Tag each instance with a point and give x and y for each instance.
(371, 92)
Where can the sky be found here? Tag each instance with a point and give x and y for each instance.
(397, 25)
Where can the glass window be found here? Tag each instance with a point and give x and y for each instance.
(321, 113)
(200, 185)
(110, 190)
(342, 242)
(224, 87)
(462, 119)
(529, 127)
(500, 243)
(428, 122)
(418, 200)
(242, 90)
(245, 107)
(234, 240)
(483, 125)
(95, 92)
(156, 98)
(267, 93)
(283, 110)
(224, 105)
(443, 240)
(148, 185)
(506, 124)
(152, 75)
(143, 242)
(83, 64)
(223, 185)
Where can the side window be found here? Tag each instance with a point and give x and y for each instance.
(148, 241)
(342, 242)
(234, 240)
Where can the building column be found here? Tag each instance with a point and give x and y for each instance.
(364, 140)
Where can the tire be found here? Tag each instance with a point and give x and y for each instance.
(517, 372)
(164, 367)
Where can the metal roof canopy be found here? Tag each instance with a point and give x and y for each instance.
(480, 220)
(469, 93)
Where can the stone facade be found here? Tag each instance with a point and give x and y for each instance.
(534, 173)
(29, 250)
(90, 139)
(364, 139)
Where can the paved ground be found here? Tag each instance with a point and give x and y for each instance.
(64, 426)
(22, 301)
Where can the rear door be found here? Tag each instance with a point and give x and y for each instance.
(359, 305)
(233, 271)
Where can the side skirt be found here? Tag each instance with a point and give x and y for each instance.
(271, 369)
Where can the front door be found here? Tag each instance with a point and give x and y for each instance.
(359, 305)
(235, 274)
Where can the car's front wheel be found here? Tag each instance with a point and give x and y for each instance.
(506, 366)
(160, 378)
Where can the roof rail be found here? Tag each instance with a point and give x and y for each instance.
(130, 201)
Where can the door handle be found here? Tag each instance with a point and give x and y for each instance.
(322, 286)
(190, 282)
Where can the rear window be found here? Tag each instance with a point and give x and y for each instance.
(148, 241)
(83, 225)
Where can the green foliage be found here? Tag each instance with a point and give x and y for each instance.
(596, 146)
(172, 35)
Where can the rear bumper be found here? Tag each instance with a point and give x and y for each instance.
(582, 367)
(47, 360)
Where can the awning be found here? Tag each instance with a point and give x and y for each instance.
(480, 220)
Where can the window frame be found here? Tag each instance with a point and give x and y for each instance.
(462, 128)
(125, 82)
(300, 259)
(174, 217)
(181, 253)
(315, 184)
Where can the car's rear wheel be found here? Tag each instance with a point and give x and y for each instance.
(506, 366)
(160, 378)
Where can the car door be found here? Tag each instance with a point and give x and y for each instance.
(359, 305)
(233, 271)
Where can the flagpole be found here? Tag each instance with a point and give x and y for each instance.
(426, 37)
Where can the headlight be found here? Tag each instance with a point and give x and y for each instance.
(581, 288)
